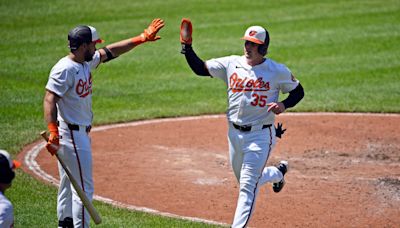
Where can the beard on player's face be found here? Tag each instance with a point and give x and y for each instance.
(89, 50)
(88, 55)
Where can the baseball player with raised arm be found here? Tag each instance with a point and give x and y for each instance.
(68, 112)
(253, 85)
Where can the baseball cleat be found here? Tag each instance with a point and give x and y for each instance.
(283, 167)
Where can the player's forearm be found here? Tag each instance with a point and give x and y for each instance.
(114, 50)
(50, 108)
(196, 64)
(294, 97)
(123, 46)
(118, 48)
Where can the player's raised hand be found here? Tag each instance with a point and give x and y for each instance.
(186, 31)
(150, 34)
(276, 108)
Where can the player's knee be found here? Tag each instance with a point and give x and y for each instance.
(248, 186)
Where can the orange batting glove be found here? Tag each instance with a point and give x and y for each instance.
(54, 139)
(186, 31)
(150, 34)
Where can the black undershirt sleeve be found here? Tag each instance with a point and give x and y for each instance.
(196, 64)
(294, 97)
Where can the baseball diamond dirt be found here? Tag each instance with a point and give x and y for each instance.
(345, 169)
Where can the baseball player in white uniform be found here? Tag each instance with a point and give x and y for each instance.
(68, 113)
(253, 86)
(7, 174)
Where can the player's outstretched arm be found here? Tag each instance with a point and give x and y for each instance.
(196, 64)
(118, 48)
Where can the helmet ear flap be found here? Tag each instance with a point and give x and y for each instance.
(12, 176)
(7, 176)
(262, 49)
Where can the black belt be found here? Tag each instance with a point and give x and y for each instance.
(74, 127)
(247, 127)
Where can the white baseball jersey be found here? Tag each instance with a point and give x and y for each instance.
(73, 82)
(6, 212)
(251, 88)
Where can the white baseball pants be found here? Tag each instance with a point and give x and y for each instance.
(75, 150)
(249, 152)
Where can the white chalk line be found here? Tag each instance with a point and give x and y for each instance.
(30, 161)
(30, 157)
(154, 121)
(188, 118)
(144, 122)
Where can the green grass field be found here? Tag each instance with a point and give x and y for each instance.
(345, 53)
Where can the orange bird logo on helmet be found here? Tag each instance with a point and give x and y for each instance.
(252, 33)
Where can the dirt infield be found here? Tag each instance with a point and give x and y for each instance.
(345, 170)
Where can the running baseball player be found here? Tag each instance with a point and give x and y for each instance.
(7, 174)
(253, 85)
(68, 112)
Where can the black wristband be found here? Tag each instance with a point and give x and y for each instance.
(110, 56)
(185, 48)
